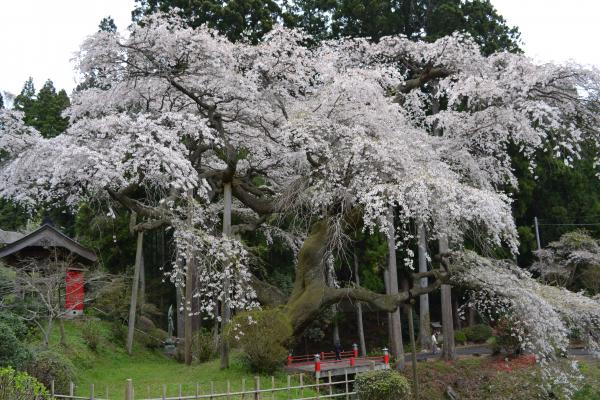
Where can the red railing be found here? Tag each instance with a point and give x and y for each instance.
(329, 358)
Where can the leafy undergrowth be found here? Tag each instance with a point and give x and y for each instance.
(495, 378)
(110, 366)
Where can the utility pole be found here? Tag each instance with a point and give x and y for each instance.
(537, 233)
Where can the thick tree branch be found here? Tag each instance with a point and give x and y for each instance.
(429, 73)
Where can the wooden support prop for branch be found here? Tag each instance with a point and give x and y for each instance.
(411, 331)
(134, 291)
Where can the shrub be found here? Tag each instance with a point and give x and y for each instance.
(13, 352)
(478, 333)
(20, 386)
(47, 366)
(203, 346)
(91, 334)
(15, 323)
(460, 336)
(493, 345)
(118, 332)
(263, 336)
(153, 339)
(113, 299)
(505, 339)
(382, 385)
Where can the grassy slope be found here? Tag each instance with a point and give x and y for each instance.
(110, 366)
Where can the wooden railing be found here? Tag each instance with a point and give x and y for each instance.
(323, 388)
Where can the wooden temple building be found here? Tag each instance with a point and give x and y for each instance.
(44, 246)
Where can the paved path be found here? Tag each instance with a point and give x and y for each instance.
(485, 350)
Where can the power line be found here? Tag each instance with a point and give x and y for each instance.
(594, 224)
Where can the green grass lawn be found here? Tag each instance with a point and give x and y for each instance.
(110, 366)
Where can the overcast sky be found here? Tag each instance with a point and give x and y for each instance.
(39, 37)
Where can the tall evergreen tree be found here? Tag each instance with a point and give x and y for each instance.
(43, 111)
(25, 100)
(107, 24)
(236, 19)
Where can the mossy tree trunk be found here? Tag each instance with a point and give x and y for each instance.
(311, 295)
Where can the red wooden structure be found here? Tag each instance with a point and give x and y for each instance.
(75, 292)
(326, 362)
(44, 243)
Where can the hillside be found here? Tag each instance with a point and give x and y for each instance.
(109, 367)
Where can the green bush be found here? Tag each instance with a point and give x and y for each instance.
(505, 340)
(15, 323)
(478, 333)
(203, 346)
(48, 366)
(263, 336)
(118, 332)
(382, 385)
(20, 386)
(493, 345)
(90, 332)
(153, 339)
(13, 352)
(460, 336)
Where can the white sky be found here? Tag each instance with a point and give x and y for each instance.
(39, 37)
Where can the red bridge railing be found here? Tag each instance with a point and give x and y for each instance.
(329, 358)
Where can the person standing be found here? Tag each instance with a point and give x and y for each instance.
(434, 343)
(338, 350)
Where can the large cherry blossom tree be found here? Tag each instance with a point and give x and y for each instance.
(337, 135)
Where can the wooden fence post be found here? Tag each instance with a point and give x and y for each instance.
(71, 390)
(164, 394)
(92, 391)
(302, 385)
(272, 388)
(318, 387)
(256, 387)
(330, 383)
(243, 388)
(346, 381)
(180, 390)
(52, 388)
(129, 389)
(289, 383)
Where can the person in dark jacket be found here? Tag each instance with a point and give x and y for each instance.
(338, 350)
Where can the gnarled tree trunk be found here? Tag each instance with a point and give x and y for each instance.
(311, 295)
